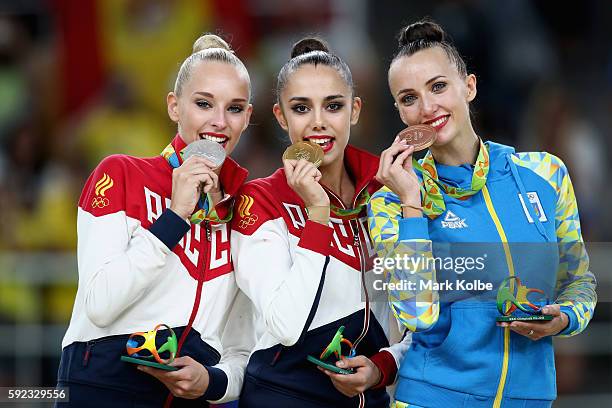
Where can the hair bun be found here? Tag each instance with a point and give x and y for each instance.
(309, 44)
(421, 30)
(207, 41)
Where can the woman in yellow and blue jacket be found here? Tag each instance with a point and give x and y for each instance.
(514, 214)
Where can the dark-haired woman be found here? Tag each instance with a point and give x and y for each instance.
(300, 248)
(467, 191)
(147, 250)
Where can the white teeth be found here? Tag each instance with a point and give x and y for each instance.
(214, 138)
(439, 121)
(320, 141)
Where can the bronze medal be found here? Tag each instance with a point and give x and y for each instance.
(420, 136)
(306, 150)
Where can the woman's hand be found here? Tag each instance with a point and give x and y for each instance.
(366, 375)
(190, 381)
(303, 177)
(395, 171)
(194, 177)
(537, 330)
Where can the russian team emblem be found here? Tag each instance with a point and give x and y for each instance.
(101, 187)
(244, 210)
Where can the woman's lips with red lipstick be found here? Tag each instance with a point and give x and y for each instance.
(325, 141)
(215, 137)
(438, 123)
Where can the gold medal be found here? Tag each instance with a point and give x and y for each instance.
(420, 136)
(306, 150)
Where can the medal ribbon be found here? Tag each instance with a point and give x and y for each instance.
(431, 187)
(351, 213)
(206, 211)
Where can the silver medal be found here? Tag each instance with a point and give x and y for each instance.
(206, 149)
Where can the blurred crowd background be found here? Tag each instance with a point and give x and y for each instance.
(82, 79)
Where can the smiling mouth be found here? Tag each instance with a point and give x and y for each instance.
(215, 137)
(326, 142)
(438, 122)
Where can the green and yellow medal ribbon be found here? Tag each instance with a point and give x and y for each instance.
(206, 211)
(431, 187)
(351, 213)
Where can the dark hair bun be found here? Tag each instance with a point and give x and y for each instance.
(421, 30)
(309, 44)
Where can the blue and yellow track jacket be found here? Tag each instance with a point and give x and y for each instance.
(523, 223)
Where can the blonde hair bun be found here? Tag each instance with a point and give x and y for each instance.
(207, 41)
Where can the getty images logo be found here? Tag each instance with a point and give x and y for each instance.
(452, 221)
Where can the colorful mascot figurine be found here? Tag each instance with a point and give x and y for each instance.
(508, 302)
(146, 341)
(334, 347)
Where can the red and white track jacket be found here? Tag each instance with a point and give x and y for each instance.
(139, 265)
(305, 280)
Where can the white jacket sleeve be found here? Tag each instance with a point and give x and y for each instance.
(282, 285)
(238, 340)
(400, 348)
(118, 259)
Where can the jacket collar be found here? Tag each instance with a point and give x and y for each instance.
(362, 167)
(232, 176)
(461, 176)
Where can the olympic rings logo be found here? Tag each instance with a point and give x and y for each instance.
(99, 202)
(105, 183)
(248, 221)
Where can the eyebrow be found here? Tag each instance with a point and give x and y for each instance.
(211, 96)
(426, 83)
(305, 99)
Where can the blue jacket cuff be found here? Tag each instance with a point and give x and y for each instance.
(217, 384)
(169, 228)
(573, 321)
(413, 228)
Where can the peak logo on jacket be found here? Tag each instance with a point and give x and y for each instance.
(452, 221)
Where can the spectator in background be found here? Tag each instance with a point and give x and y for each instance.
(135, 128)
(555, 123)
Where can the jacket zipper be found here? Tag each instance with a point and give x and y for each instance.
(89, 345)
(87, 354)
(509, 262)
(207, 228)
(197, 301)
(357, 245)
